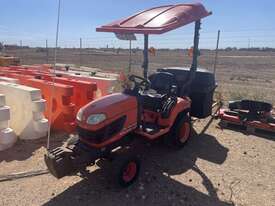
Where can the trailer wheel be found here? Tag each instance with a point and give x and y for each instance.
(182, 131)
(126, 170)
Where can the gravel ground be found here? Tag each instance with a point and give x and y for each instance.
(219, 167)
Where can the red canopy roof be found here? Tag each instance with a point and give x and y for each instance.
(158, 20)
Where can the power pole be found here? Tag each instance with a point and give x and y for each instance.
(80, 52)
(21, 50)
(47, 52)
(216, 52)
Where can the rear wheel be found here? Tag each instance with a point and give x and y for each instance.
(182, 131)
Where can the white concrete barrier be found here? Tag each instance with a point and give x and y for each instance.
(27, 107)
(7, 135)
(7, 79)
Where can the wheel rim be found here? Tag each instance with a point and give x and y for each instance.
(184, 132)
(129, 172)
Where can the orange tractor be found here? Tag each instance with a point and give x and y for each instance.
(154, 107)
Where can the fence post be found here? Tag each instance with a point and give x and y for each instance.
(216, 52)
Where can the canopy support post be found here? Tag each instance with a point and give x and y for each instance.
(130, 55)
(196, 47)
(145, 56)
(186, 88)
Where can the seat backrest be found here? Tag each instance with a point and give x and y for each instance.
(162, 82)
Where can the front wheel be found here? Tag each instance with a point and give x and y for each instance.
(126, 170)
(182, 131)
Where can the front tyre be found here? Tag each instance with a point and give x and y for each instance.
(126, 170)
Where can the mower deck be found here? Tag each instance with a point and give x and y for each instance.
(232, 120)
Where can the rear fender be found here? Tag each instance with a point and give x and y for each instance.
(181, 108)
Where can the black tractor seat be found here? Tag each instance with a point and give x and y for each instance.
(161, 96)
(152, 101)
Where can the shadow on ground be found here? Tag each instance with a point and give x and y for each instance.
(24, 149)
(155, 185)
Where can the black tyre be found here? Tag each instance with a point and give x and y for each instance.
(181, 131)
(126, 169)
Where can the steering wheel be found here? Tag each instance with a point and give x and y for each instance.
(140, 82)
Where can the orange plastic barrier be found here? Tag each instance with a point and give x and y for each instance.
(22, 70)
(63, 110)
(23, 79)
(9, 70)
(62, 116)
(83, 91)
(104, 86)
(25, 70)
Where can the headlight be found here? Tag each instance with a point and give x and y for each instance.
(96, 119)
(79, 115)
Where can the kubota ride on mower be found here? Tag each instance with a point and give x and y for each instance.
(154, 107)
(254, 117)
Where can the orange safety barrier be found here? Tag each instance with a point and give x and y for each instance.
(40, 68)
(23, 70)
(104, 86)
(63, 110)
(83, 91)
(22, 79)
(7, 73)
(7, 69)
(4, 68)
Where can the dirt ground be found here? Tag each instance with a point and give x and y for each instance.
(217, 167)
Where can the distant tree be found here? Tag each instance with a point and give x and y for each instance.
(228, 49)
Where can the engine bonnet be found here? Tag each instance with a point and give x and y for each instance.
(111, 105)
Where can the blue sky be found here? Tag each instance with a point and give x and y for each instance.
(243, 23)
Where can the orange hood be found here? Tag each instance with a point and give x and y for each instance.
(111, 105)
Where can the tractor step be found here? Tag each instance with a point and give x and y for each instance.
(151, 128)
